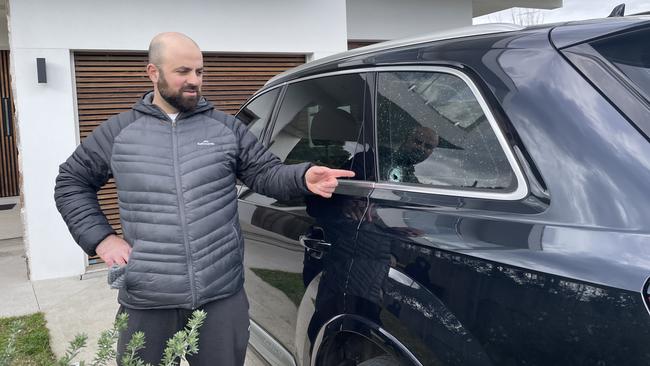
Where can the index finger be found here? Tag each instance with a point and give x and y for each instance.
(338, 173)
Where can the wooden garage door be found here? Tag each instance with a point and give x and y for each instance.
(356, 44)
(9, 180)
(110, 83)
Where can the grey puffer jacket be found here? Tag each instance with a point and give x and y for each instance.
(177, 199)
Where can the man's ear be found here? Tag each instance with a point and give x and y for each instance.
(153, 73)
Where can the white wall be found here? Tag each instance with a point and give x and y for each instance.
(46, 136)
(46, 113)
(216, 25)
(389, 19)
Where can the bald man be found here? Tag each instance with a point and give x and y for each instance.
(175, 160)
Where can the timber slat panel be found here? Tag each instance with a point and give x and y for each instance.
(9, 177)
(255, 84)
(237, 64)
(357, 44)
(208, 58)
(110, 83)
(128, 71)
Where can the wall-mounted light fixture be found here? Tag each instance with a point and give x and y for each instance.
(40, 70)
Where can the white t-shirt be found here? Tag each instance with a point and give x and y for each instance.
(172, 116)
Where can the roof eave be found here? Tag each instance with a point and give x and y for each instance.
(483, 7)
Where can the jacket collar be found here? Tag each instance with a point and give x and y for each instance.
(145, 105)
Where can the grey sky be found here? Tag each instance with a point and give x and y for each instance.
(573, 10)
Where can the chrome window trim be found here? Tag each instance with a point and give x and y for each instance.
(332, 73)
(521, 189)
(357, 183)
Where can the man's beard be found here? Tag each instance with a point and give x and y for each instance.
(177, 100)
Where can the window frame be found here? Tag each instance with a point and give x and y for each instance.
(521, 189)
(276, 104)
(368, 123)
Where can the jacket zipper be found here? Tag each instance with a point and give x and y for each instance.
(181, 206)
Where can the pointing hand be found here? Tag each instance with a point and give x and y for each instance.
(322, 180)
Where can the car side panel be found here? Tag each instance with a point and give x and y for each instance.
(556, 278)
(453, 296)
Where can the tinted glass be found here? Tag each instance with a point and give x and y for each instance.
(432, 131)
(257, 113)
(321, 121)
(630, 53)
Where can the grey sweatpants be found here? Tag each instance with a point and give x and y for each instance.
(223, 337)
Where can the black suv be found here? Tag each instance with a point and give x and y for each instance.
(500, 213)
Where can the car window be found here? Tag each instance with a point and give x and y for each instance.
(630, 53)
(321, 121)
(431, 130)
(257, 113)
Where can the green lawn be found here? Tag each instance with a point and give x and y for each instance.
(288, 282)
(32, 341)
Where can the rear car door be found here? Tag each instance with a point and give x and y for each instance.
(291, 245)
(441, 161)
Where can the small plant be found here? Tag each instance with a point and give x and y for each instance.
(184, 343)
(136, 343)
(181, 345)
(106, 343)
(75, 346)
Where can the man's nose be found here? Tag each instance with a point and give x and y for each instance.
(193, 79)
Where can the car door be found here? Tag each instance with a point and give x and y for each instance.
(290, 245)
(442, 169)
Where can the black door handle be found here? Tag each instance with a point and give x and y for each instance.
(314, 244)
(315, 247)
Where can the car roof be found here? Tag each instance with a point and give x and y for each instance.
(473, 30)
(564, 34)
